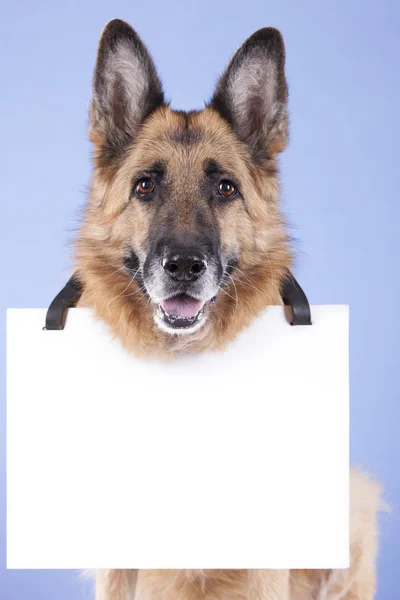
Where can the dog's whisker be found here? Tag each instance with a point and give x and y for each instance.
(142, 288)
(124, 290)
(236, 292)
(120, 268)
(249, 283)
(225, 292)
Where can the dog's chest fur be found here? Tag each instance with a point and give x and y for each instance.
(210, 585)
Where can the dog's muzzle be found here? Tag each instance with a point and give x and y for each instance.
(182, 308)
(181, 281)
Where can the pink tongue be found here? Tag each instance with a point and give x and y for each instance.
(182, 306)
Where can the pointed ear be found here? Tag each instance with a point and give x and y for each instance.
(252, 94)
(126, 90)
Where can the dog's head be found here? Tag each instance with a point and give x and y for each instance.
(183, 222)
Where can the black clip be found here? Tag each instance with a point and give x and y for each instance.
(67, 298)
(292, 295)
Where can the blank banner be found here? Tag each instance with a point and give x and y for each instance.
(236, 459)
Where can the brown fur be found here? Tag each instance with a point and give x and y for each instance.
(259, 231)
(125, 142)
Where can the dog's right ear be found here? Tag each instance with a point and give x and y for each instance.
(126, 90)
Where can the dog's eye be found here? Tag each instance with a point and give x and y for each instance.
(227, 189)
(144, 187)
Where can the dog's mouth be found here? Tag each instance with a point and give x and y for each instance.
(181, 312)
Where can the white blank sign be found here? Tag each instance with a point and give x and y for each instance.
(236, 459)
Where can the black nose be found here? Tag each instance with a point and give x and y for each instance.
(185, 266)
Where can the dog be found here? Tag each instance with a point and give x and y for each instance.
(182, 244)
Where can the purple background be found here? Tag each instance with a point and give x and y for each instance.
(340, 183)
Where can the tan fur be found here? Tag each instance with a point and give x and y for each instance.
(108, 224)
(113, 222)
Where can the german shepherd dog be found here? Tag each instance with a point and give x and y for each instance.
(182, 245)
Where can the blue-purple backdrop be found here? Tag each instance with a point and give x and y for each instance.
(340, 182)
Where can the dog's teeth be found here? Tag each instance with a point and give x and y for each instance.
(172, 319)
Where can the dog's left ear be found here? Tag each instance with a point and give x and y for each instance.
(126, 90)
(252, 94)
